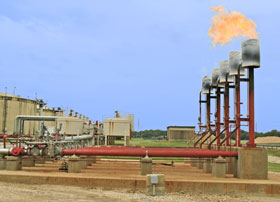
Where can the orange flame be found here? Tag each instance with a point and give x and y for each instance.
(227, 26)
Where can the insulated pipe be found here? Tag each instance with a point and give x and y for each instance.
(152, 152)
(5, 151)
(81, 137)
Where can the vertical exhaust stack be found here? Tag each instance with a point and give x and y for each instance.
(224, 72)
(206, 85)
(226, 79)
(235, 64)
(251, 60)
(218, 85)
(236, 70)
(251, 53)
(215, 77)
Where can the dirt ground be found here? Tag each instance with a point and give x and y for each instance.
(23, 192)
(273, 159)
(268, 139)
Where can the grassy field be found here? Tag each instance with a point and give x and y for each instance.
(275, 167)
(274, 152)
(152, 143)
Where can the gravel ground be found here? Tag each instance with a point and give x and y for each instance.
(273, 159)
(24, 192)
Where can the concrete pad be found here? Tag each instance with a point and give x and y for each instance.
(200, 162)
(28, 161)
(40, 160)
(207, 166)
(83, 162)
(74, 164)
(13, 163)
(193, 162)
(252, 163)
(92, 159)
(219, 168)
(146, 166)
(119, 174)
(3, 163)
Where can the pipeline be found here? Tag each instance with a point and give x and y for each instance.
(81, 137)
(4, 141)
(151, 152)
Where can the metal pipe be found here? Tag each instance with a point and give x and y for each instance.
(152, 152)
(20, 118)
(251, 108)
(199, 118)
(4, 141)
(5, 151)
(81, 137)
(237, 110)
(208, 112)
(218, 115)
(226, 112)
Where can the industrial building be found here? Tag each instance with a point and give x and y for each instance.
(118, 128)
(12, 106)
(180, 133)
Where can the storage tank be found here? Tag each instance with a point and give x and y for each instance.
(10, 107)
(71, 125)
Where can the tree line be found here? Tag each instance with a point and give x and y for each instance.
(153, 134)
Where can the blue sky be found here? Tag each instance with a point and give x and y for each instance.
(145, 57)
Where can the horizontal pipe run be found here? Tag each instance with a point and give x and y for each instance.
(5, 151)
(81, 137)
(151, 152)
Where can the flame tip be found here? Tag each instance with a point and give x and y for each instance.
(227, 26)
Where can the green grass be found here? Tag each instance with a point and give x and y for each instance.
(275, 167)
(152, 143)
(244, 142)
(274, 152)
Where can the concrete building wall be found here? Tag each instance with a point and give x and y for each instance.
(180, 133)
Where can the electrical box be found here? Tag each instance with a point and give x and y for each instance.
(154, 179)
